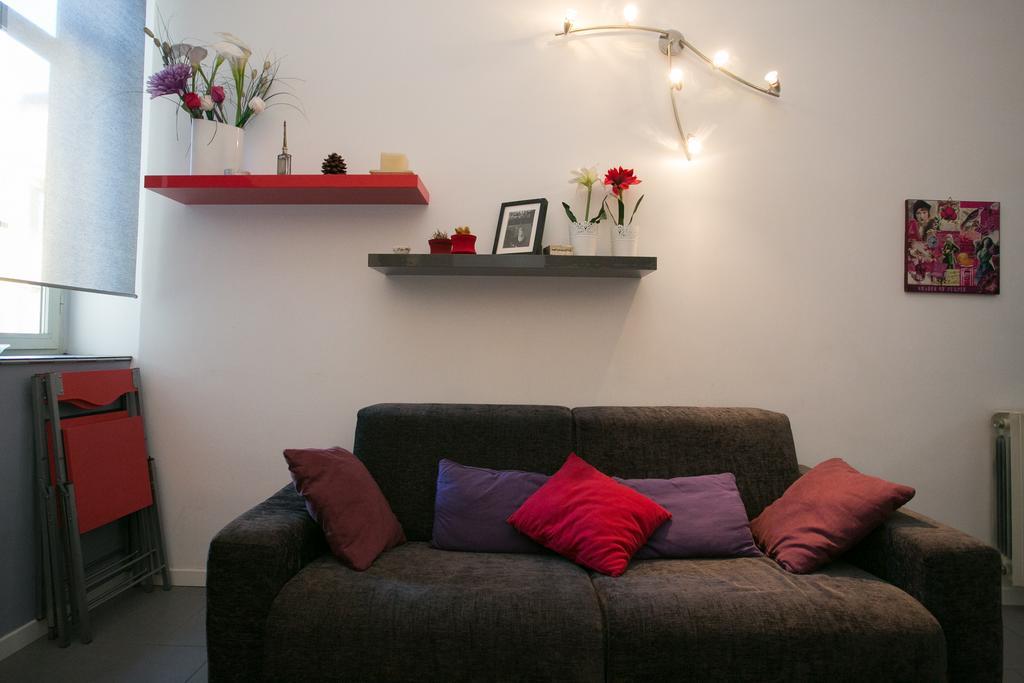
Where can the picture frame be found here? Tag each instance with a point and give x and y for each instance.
(951, 246)
(520, 227)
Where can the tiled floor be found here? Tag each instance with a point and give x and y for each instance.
(1013, 644)
(160, 637)
(137, 638)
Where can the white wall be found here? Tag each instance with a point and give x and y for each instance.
(780, 251)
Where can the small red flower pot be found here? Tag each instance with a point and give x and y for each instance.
(440, 246)
(463, 244)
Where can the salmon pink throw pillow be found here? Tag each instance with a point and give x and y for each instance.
(825, 513)
(589, 518)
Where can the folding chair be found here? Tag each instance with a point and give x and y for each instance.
(92, 469)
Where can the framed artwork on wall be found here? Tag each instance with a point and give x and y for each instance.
(520, 227)
(951, 246)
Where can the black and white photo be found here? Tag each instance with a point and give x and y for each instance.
(520, 227)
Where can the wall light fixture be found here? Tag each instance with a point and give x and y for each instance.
(672, 43)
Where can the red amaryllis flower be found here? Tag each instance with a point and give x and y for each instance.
(217, 93)
(192, 100)
(620, 179)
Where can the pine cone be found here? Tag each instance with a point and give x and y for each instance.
(334, 164)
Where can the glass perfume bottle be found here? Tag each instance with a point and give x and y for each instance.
(284, 159)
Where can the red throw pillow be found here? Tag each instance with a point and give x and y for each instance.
(589, 518)
(824, 514)
(341, 494)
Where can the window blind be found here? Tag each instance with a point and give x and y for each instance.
(72, 111)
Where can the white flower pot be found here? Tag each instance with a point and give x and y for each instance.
(625, 239)
(215, 147)
(583, 237)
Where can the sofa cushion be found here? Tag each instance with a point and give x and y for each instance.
(425, 614)
(588, 517)
(708, 518)
(747, 619)
(342, 496)
(472, 504)
(824, 514)
(664, 442)
(402, 443)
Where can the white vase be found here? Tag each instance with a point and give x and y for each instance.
(215, 147)
(583, 237)
(625, 239)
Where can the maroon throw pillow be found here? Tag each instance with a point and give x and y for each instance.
(824, 514)
(589, 518)
(342, 496)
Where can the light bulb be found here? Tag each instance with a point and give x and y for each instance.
(693, 144)
(570, 16)
(772, 77)
(675, 77)
(721, 59)
(630, 12)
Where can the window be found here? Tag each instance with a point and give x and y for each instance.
(31, 318)
(70, 165)
(30, 315)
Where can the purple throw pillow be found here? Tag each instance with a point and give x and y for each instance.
(472, 504)
(708, 517)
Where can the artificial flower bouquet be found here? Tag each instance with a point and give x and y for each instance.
(233, 96)
(619, 180)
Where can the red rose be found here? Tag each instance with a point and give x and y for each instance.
(620, 179)
(948, 213)
(192, 100)
(217, 93)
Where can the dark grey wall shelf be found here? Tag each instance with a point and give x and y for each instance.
(519, 265)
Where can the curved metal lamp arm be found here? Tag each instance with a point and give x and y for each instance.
(672, 42)
(675, 111)
(674, 38)
(773, 90)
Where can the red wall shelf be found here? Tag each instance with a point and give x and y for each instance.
(291, 189)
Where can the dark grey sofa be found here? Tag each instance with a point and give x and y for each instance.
(916, 600)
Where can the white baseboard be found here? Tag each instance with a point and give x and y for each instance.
(188, 577)
(20, 637)
(1013, 595)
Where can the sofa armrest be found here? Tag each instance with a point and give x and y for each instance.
(955, 576)
(250, 560)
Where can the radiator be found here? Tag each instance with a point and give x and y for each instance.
(1009, 448)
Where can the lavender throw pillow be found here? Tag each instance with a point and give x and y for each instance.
(472, 504)
(708, 517)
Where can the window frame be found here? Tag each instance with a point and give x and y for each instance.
(52, 314)
(53, 302)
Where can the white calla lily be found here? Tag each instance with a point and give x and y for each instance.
(228, 50)
(237, 42)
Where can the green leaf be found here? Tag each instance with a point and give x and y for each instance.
(635, 207)
(600, 217)
(604, 207)
(569, 213)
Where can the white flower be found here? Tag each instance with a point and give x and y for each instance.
(257, 105)
(232, 39)
(585, 177)
(228, 51)
(197, 54)
(205, 102)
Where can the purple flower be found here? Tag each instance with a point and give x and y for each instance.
(170, 81)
